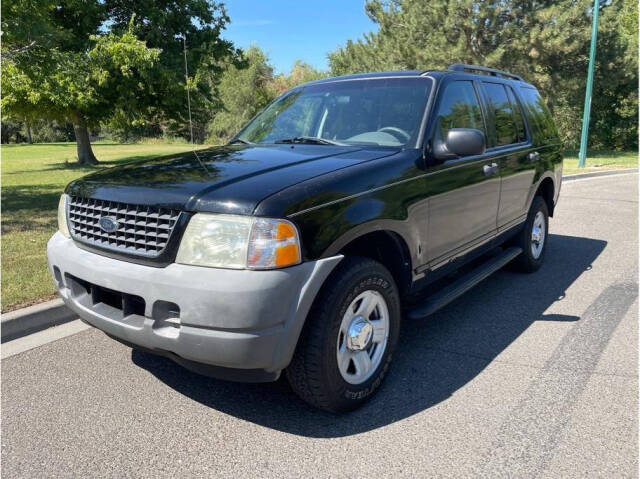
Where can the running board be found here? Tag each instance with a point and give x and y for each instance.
(444, 296)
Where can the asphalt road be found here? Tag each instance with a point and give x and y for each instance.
(526, 375)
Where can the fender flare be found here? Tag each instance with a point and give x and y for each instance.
(400, 231)
(536, 186)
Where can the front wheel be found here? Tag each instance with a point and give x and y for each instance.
(346, 346)
(533, 238)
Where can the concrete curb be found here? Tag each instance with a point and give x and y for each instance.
(580, 176)
(22, 322)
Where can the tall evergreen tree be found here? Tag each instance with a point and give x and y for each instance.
(546, 41)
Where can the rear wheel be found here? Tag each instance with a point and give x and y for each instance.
(345, 349)
(533, 237)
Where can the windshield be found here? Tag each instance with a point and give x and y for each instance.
(383, 112)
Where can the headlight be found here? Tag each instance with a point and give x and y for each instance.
(272, 244)
(62, 216)
(238, 242)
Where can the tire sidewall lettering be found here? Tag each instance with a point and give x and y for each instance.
(359, 392)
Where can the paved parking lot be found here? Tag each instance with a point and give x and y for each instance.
(526, 375)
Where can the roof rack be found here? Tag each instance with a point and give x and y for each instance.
(459, 67)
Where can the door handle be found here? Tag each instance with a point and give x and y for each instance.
(490, 170)
(534, 156)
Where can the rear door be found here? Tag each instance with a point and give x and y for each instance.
(463, 192)
(510, 142)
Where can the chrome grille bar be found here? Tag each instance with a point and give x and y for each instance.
(142, 230)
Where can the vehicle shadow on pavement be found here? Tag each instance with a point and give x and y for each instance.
(434, 358)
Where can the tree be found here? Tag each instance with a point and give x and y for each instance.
(92, 61)
(244, 89)
(247, 86)
(546, 41)
(301, 72)
(81, 87)
(165, 25)
(614, 120)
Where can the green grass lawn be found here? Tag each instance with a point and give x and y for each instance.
(600, 160)
(33, 177)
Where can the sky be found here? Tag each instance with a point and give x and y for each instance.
(289, 30)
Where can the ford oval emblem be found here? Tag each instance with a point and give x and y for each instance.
(108, 224)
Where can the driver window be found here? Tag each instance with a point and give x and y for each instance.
(459, 108)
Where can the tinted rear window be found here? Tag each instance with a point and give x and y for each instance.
(537, 113)
(517, 115)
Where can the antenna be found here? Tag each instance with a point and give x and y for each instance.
(186, 77)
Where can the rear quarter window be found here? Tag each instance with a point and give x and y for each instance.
(538, 114)
(517, 115)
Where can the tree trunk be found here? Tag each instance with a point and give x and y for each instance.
(85, 153)
(27, 127)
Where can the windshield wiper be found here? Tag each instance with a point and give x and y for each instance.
(312, 140)
(239, 140)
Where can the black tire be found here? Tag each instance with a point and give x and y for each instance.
(313, 373)
(527, 262)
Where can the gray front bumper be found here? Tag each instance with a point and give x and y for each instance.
(241, 319)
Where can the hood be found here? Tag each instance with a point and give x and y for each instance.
(231, 179)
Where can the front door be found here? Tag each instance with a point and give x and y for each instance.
(463, 192)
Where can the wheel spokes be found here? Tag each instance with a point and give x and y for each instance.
(362, 337)
(538, 233)
(379, 331)
(344, 359)
(367, 305)
(362, 362)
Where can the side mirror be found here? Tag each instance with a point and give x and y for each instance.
(465, 141)
(461, 142)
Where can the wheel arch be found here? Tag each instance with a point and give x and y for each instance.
(546, 189)
(386, 246)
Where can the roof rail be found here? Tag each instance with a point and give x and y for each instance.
(459, 67)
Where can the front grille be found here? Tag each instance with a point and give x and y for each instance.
(142, 230)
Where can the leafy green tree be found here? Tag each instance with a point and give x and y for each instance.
(244, 89)
(116, 61)
(11, 130)
(81, 87)
(247, 86)
(301, 72)
(168, 25)
(546, 41)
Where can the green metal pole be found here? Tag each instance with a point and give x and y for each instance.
(587, 98)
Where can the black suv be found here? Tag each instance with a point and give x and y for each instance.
(342, 207)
